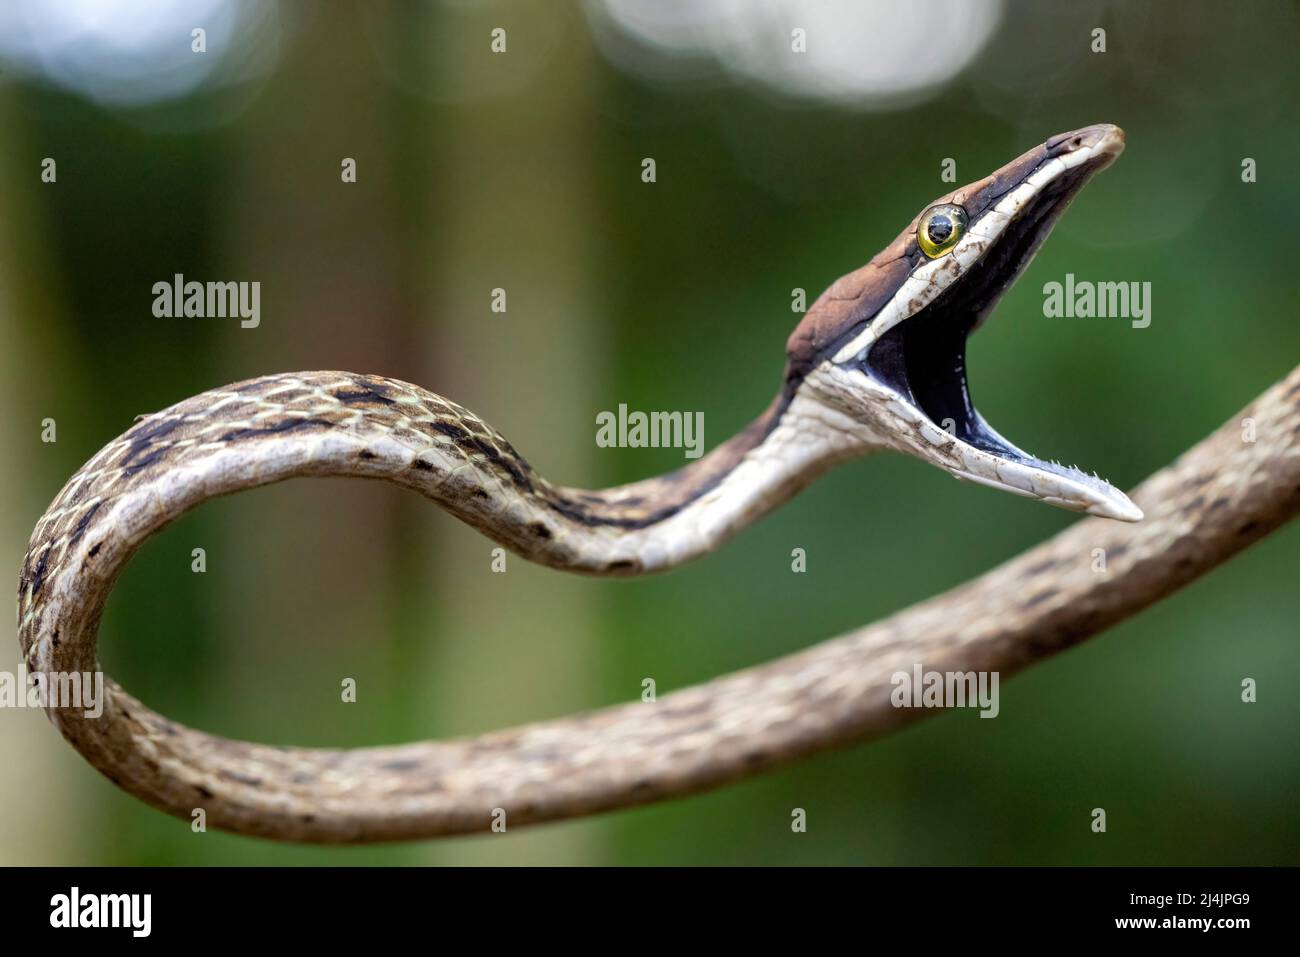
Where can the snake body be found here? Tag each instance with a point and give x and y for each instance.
(867, 369)
(342, 424)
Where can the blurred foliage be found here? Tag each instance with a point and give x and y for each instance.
(687, 294)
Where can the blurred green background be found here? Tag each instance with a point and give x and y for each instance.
(522, 171)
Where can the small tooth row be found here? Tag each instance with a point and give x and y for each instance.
(1028, 480)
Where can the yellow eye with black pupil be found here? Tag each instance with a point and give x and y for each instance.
(941, 228)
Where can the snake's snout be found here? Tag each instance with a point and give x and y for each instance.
(1102, 141)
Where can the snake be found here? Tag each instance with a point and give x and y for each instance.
(877, 363)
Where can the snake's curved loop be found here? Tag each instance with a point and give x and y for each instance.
(1219, 497)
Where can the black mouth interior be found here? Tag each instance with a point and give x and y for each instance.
(923, 358)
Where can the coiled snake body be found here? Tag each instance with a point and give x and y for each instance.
(878, 363)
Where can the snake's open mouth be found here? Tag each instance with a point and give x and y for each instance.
(929, 371)
(923, 358)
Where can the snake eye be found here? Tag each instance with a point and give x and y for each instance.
(940, 229)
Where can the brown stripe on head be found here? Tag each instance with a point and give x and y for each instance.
(853, 299)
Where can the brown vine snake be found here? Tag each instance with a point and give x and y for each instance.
(877, 363)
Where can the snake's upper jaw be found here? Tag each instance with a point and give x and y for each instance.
(913, 352)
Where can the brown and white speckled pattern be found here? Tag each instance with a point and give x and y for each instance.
(337, 423)
(1215, 500)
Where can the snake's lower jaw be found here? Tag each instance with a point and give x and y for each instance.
(932, 418)
(921, 374)
(1054, 484)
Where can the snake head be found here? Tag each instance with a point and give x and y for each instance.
(884, 347)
